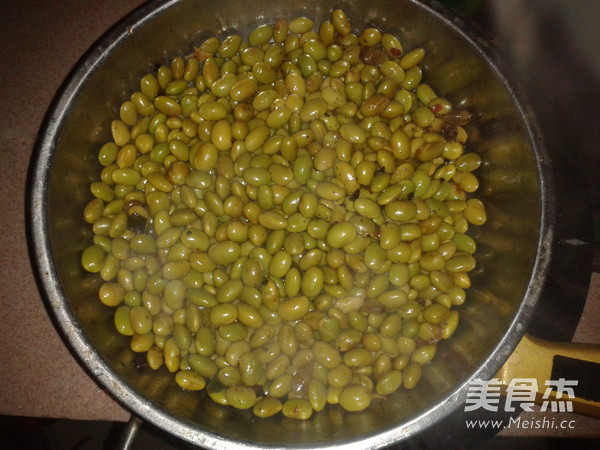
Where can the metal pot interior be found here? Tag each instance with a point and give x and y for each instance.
(513, 247)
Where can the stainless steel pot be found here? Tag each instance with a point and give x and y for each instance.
(514, 245)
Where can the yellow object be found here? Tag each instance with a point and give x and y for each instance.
(535, 359)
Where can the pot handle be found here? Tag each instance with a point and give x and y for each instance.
(564, 375)
(129, 433)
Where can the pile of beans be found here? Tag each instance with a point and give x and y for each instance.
(282, 220)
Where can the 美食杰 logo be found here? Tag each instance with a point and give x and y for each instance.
(520, 395)
(522, 392)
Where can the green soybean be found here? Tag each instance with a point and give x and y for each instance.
(283, 219)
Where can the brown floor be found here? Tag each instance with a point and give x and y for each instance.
(53, 434)
(21, 433)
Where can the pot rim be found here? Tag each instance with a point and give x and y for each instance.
(128, 396)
